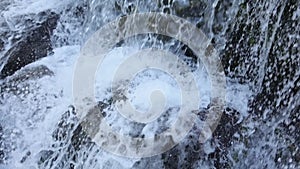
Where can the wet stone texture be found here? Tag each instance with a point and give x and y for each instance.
(34, 44)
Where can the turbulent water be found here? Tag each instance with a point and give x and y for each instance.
(257, 42)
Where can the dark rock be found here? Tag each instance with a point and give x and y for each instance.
(65, 126)
(2, 155)
(35, 45)
(224, 137)
(4, 4)
(239, 59)
(171, 158)
(31, 73)
(64, 154)
(282, 66)
(44, 155)
(149, 162)
(1, 45)
(12, 84)
(272, 67)
(194, 9)
(24, 158)
(71, 25)
(228, 126)
(190, 151)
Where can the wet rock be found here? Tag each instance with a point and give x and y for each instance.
(1, 45)
(4, 4)
(24, 158)
(7, 144)
(224, 137)
(239, 58)
(271, 66)
(282, 66)
(194, 9)
(149, 162)
(2, 155)
(33, 46)
(252, 38)
(64, 154)
(190, 153)
(65, 126)
(44, 155)
(71, 143)
(70, 27)
(228, 126)
(30, 73)
(13, 83)
(251, 56)
(171, 158)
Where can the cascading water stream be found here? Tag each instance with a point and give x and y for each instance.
(257, 43)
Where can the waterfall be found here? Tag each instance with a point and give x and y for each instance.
(257, 46)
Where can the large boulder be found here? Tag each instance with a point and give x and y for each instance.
(35, 44)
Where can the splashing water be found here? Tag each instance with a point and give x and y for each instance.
(258, 44)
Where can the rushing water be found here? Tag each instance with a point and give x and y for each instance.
(258, 44)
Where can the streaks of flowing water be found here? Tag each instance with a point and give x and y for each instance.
(259, 47)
